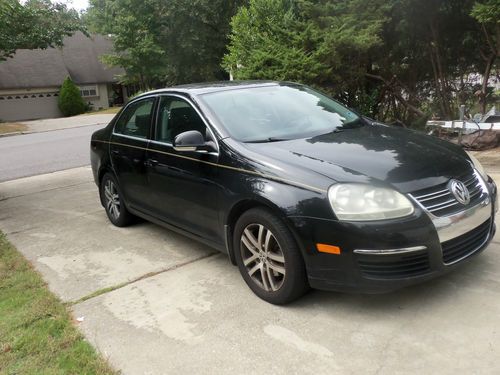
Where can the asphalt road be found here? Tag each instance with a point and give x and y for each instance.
(38, 153)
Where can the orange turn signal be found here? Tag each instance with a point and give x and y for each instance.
(329, 249)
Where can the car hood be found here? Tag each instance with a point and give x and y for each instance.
(375, 153)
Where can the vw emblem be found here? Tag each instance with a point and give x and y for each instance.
(459, 191)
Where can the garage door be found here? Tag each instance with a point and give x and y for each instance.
(29, 106)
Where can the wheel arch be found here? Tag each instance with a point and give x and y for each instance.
(102, 171)
(242, 206)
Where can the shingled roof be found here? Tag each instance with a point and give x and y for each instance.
(78, 59)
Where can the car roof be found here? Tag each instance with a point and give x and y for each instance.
(208, 87)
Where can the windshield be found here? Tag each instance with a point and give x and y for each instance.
(274, 113)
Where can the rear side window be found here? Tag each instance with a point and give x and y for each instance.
(135, 121)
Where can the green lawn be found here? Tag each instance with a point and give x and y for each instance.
(37, 335)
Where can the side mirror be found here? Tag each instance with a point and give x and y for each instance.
(477, 117)
(191, 140)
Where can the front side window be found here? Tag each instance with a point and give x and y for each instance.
(135, 121)
(176, 116)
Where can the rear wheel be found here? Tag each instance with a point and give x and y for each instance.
(268, 257)
(113, 202)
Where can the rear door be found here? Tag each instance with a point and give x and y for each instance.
(183, 184)
(128, 146)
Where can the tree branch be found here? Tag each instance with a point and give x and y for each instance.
(390, 86)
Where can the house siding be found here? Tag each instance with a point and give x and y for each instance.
(38, 103)
(101, 100)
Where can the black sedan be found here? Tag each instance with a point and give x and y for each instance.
(297, 189)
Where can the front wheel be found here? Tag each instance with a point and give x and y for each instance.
(113, 202)
(268, 257)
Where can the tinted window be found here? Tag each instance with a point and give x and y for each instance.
(280, 112)
(176, 116)
(136, 119)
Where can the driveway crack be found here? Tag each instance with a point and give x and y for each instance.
(43, 191)
(142, 277)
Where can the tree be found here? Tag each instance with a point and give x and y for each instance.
(429, 50)
(270, 41)
(395, 60)
(195, 36)
(135, 26)
(161, 42)
(322, 43)
(34, 24)
(70, 99)
(487, 13)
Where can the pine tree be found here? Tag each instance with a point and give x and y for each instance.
(70, 99)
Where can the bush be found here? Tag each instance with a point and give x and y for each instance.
(70, 99)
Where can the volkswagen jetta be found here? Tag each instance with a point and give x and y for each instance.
(297, 189)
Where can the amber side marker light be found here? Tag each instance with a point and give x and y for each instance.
(329, 249)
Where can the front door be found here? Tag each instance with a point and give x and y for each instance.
(183, 184)
(128, 146)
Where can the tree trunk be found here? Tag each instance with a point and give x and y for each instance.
(390, 86)
(486, 77)
(442, 87)
(490, 60)
(437, 85)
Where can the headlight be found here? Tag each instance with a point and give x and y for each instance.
(360, 202)
(478, 166)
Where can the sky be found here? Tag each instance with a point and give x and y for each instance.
(76, 4)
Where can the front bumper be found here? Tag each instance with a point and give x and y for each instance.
(380, 257)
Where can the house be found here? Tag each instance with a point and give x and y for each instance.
(31, 79)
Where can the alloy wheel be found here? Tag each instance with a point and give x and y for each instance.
(112, 199)
(263, 257)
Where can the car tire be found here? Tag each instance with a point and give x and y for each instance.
(112, 200)
(268, 257)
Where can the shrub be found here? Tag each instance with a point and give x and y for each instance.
(70, 99)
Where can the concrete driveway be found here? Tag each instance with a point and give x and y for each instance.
(155, 302)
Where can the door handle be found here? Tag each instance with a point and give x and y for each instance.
(151, 162)
(116, 152)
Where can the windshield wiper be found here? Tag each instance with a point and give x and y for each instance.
(267, 140)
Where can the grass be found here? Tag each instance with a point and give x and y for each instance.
(11, 127)
(37, 335)
(109, 110)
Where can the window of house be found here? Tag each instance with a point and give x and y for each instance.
(88, 91)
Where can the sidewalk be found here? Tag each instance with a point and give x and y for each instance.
(37, 126)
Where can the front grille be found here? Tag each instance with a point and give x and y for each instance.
(466, 244)
(394, 266)
(439, 200)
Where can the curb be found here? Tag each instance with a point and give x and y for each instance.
(48, 130)
(11, 134)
